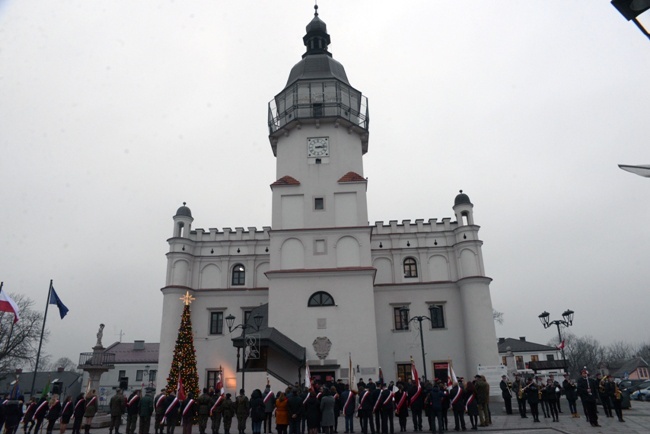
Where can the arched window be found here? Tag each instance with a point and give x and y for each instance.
(410, 268)
(238, 275)
(320, 298)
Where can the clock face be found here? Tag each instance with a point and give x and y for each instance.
(318, 147)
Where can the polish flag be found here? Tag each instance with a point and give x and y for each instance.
(560, 346)
(8, 305)
(416, 378)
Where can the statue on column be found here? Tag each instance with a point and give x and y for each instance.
(100, 333)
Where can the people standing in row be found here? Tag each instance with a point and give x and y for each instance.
(145, 412)
(66, 414)
(587, 390)
(242, 408)
(132, 411)
(90, 410)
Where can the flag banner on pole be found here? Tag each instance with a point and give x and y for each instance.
(560, 346)
(180, 394)
(308, 384)
(219, 386)
(8, 305)
(416, 378)
(451, 377)
(54, 299)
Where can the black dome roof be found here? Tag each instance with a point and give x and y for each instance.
(184, 211)
(462, 198)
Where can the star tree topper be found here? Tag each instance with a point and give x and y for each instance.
(187, 298)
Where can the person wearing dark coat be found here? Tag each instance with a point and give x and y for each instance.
(159, 408)
(13, 413)
(39, 414)
(170, 419)
(348, 401)
(242, 410)
(53, 413)
(258, 411)
(457, 398)
(227, 410)
(375, 420)
(117, 406)
(146, 410)
(386, 409)
(269, 406)
(532, 395)
(132, 411)
(66, 414)
(550, 396)
(312, 413)
(295, 408)
(216, 401)
(327, 404)
(401, 406)
(188, 413)
(365, 409)
(28, 419)
(434, 403)
(91, 410)
(571, 393)
(506, 393)
(78, 412)
(471, 405)
(587, 390)
(416, 402)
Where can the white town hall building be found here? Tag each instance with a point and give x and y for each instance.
(326, 286)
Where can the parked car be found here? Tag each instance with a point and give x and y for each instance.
(641, 394)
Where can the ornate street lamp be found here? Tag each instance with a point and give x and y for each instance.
(631, 9)
(230, 321)
(567, 321)
(405, 314)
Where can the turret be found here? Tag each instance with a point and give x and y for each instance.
(183, 222)
(463, 209)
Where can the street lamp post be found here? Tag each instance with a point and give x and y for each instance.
(631, 9)
(230, 320)
(405, 312)
(566, 322)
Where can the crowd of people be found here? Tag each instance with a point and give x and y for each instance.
(532, 393)
(374, 406)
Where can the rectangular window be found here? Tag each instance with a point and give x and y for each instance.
(139, 374)
(216, 323)
(519, 360)
(404, 371)
(319, 203)
(437, 315)
(121, 374)
(247, 315)
(550, 357)
(152, 375)
(534, 358)
(401, 318)
(504, 361)
(212, 379)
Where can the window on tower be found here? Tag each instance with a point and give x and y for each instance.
(320, 298)
(238, 275)
(437, 315)
(216, 323)
(401, 318)
(319, 203)
(410, 268)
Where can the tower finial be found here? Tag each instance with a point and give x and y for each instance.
(315, 8)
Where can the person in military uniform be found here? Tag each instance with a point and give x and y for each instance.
(132, 411)
(117, 406)
(170, 418)
(146, 410)
(79, 410)
(227, 410)
(204, 410)
(216, 401)
(242, 408)
(188, 412)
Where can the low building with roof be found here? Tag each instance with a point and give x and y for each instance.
(530, 357)
(633, 369)
(62, 383)
(135, 367)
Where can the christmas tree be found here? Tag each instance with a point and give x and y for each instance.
(184, 361)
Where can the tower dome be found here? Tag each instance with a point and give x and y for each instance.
(461, 198)
(184, 211)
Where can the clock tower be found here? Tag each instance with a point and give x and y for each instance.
(321, 274)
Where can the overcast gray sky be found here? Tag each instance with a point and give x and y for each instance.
(112, 113)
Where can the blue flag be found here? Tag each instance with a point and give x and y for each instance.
(54, 299)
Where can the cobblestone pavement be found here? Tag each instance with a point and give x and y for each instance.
(637, 420)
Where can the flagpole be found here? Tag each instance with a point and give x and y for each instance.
(40, 344)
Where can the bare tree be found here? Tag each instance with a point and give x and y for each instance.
(582, 352)
(618, 351)
(643, 351)
(66, 364)
(497, 316)
(19, 343)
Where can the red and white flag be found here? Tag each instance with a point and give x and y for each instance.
(219, 386)
(269, 395)
(180, 394)
(308, 384)
(560, 346)
(8, 305)
(416, 378)
(451, 377)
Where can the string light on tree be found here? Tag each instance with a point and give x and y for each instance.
(184, 361)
